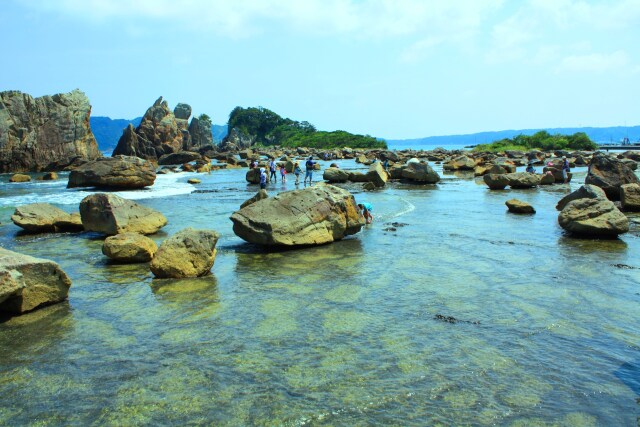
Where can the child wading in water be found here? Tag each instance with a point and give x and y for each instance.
(297, 171)
(366, 212)
(283, 174)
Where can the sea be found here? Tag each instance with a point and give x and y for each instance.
(446, 310)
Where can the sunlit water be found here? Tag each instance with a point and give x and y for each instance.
(342, 334)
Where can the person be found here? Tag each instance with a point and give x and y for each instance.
(283, 173)
(263, 178)
(385, 165)
(297, 171)
(272, 169)
(253, 164)
(309, 167)
(366, 212)
(565, 169)
(530, 167)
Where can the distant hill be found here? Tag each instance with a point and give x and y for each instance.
(599, 135)
(108, 131)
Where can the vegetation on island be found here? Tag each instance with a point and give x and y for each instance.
(541, 140)
(270, 129)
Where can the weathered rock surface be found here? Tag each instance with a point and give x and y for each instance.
(253, 176)
(420, 172)
(496, 181)
(335, 175)
(20, 177)
(111, 214)
(114, 172)
(313, 216)
(523, 180)
(610, 174)
(377, 175)
(200, 130)
(46, 133)
(43, 218)
(460, 163)
(586, 191)
(236, 140)
(129, 248)
(357, 176)
(593, 218)
(188, 253)
(194, 181)
(630, 197)
(519, 207)
(262, 194)
(182, 111)
(179, 158)
(49, 176)
(27, 283)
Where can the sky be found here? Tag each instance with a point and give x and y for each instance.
(394, 69)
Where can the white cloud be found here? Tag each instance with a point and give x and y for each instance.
(595, 62)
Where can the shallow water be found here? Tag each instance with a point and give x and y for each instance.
(342, 334)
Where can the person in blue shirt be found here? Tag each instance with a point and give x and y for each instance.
(263, 178)
(297, 171)
(272, 168)
(309, 166)
(366, 212)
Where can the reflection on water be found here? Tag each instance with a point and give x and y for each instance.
(340, 334)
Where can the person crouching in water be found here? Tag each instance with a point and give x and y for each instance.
(263, 179)
(297, 171)
(366, 212)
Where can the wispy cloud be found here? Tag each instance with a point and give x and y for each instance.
(595, 62)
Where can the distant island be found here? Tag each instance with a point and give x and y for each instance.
(541, 140)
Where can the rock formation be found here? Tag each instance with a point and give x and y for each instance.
(313, 216)
(420, 172)
(609, 173)
(111, 214)
(43, 218)
(46, 133)
(586, 191)
(27, 283)
(188, 253)
(335, 175)
(630, 197)
(597, 218)
(519, 207)
(496, 181)
(129, 248)
(114, 172)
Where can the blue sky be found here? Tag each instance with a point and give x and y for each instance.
(389, 68)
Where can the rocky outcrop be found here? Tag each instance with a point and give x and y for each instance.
(335, 175)
(609, 173)
(114, 172)
(313, 216)
(46, 133)
(179, 158)
(523, 180)
(420, 172)
(236, 140)
(586, 191)
(188, 253)
(262, 194)
(519, 207)
(496, 181)
(27, 283)
(593, 218)
(111, 214)
(129, 248)
(376, 175)
(182, 111)
(43, 218)
(630, 197)
(200, 130)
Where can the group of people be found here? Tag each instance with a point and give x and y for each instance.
(273, 167)
(565, 168)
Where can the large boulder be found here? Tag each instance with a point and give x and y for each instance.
(262, 194)
(188, 253)
(111, 214)
(43, 218)
(27, 283)
(586, 191)
(313, 216)
(120, 172)
(630, 197)
(357, 176)
(182, 111)
(496, 181)
(200, 130)
(46, 133)
(420, 172)
(335, 175)
(129, 248)
(460, 163)
(523, 180)
(179, 158)
(609, 173)
(253, 176)
(377, 175)
(593, 218)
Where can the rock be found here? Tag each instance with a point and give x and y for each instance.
(182, 111)
(356, 176)
(519, 207)
(49, 176)
(194, 181)
(496, 181)
(236, 140)
(114, 172)
(36, 282)
(377, 175)
(43, 218)
(188, 253)
(369, 186)
(362, 159)
(593, 218)
(460, 163)
(111, 214)
(200, 130)
(630, 197)
(610, 174)
(557, 173)
(335, 175)
(586, 191)
(253, 176)
(547, 179)
(500, 169)
(631, 164)
(11, 282)
(262, 194)
(313, 216)
(20, 177)
(129, 248)
(523, 180)
(46, 133)
(420, 172)
(179, 158)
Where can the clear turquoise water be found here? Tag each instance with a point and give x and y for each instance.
(342, 334)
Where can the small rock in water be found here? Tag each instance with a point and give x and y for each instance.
(451, 319)
(624, 266)
(390, 229)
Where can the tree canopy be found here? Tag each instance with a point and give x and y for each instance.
(541, 140)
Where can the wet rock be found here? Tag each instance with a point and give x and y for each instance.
(377, 175)
(111, 214)
(460, 163)
(129, 248)
(496, 181)
(188, 253)
(610, 174)
(586, 191)
(193, 181)
(27, 283)
(519, 207)
(19, 177)
(630, 197)
(313, 216)
(420, 172)
(523, 180)
(356, 176)
(547, 179)
(335, 175)
(114, 172)
(593, 218)
(179, 158)
(260, 195)
(451, 319)
(49, 176)
(44, 218)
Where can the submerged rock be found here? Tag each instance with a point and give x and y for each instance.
(188, 253)
(313, 216)
(114, 172)
(129, 248)
(27, 283)
(598, 218)
(111, 214)
(43, 218)
(609, 173)
(519, 207)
